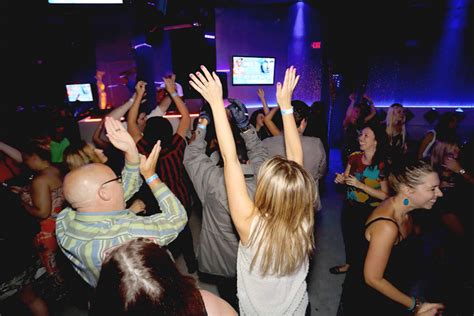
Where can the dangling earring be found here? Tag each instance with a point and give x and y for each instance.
(406, 201)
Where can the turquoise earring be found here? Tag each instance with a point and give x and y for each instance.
(406, 202)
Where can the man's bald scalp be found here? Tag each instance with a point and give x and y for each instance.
(82, 184)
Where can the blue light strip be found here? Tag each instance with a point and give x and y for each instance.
(416, 106)
(429, 106)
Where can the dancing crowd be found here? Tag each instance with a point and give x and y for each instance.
(106, 220)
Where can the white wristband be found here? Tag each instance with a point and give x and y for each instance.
(174, 94)
(286, 111)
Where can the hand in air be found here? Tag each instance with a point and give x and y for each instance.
(148, 165)
(118, 136)
(140, 88)
(209, 86)
(170, 83)
(284, 92)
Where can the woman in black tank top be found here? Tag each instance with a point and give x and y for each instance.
(378, 280)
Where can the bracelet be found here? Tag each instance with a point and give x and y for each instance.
(201, 126)
(151, 179)
(174, 94)
(413, 304)
(286, 111)
(131, 100)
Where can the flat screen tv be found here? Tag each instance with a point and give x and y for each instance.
(81, 92)
(252, 70)
(85, 1)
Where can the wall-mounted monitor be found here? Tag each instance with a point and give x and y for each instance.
(81, 92)
(85, 1)
(252, 70)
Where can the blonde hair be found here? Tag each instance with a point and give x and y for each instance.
(78, 156)
(440, 151)
(391, 128)
(410, 175)
(284, 200)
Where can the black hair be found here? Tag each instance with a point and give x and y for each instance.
(301, 111)
(158, 128)
(443, 132)
(382, 140)
(32, 148)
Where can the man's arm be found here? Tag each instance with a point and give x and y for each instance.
(199, 166)
(165, 226)
(118, 136)
(132, 116)
(256, 152)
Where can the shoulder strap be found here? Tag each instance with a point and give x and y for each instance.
(385, 219)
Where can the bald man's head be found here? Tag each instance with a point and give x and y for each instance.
(84, 189)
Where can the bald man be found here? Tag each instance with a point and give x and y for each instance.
(100, 221)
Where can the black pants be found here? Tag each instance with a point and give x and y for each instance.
(353, 218)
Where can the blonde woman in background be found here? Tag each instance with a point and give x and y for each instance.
(396, 132)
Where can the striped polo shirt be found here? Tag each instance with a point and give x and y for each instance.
(87, 237)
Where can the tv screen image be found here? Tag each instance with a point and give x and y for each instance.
(253, 70)
(79, 92)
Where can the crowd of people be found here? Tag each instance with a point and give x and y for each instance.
(112, 216)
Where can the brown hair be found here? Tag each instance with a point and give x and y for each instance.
(139, 278)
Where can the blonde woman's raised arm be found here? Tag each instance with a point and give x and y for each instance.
(294, 150)
(240, 205)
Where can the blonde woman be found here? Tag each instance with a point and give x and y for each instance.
(82, 154)
(276, 228)
(396, 132)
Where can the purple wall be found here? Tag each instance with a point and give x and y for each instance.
(114, 54)
(284, 32)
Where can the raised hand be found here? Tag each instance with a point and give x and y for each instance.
(285, 91)
(261, 93)
(121, 139)
(170, 83)
(148, 165)
(239, 113)
(140, 87)
(209, 86)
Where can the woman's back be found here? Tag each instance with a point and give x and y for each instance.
(269, 294)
